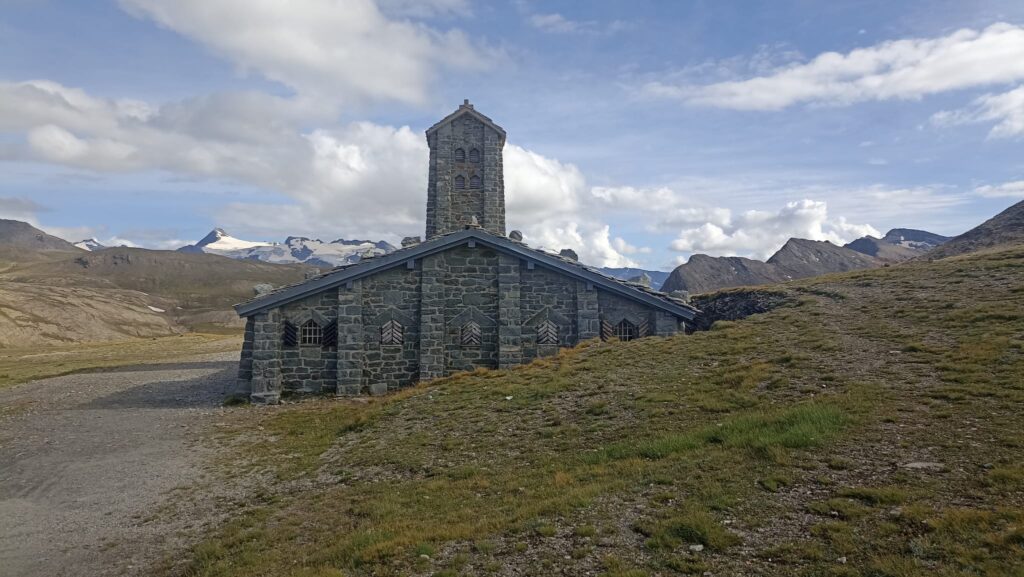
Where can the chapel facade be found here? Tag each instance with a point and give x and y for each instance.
(467, 296)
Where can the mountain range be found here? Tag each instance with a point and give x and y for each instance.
(293, 250)
(800, 258)
(54, 291)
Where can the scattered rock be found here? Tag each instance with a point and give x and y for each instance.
(841, 560)
(696, 548)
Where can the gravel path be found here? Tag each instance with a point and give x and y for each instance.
(87, 461)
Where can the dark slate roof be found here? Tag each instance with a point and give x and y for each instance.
(369, 266)
(467, 108)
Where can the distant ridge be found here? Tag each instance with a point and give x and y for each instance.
(294, 250)
(1005, 228)
(15, 234)
(798, 258)
(898, 245)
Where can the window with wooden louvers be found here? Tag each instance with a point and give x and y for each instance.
(471, 335)
(547, 333)
(289, 334)
(331, 335)
(392, 333)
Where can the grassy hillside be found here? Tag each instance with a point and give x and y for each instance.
(871, 426)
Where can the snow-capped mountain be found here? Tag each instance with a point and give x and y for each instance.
(90, 244)
(293, 250)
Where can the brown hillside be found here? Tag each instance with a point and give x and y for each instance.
(1004, 229)
(57, 296)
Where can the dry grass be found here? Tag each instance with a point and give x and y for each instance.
(19, 365)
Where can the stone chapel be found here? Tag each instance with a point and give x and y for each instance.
(466, 296)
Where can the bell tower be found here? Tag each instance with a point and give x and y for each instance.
(466, 184)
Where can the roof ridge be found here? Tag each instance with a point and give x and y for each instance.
(439, 243)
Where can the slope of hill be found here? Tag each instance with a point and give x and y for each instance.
(16, 235)
(703, 273)
(292, 251)
(1004, 229)
(873, 426)
(119, 292)
(798, 258)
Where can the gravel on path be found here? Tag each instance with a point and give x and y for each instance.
(88, 460)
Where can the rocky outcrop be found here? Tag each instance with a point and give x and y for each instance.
(735, 304)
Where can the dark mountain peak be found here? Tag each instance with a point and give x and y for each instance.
(214, 235)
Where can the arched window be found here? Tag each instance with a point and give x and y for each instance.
(460, 182)
(474, 181)
(460, 155)
(392, 333)
(471, 336)
(625, 331)
(474, 155)
(311, 334)
(547, 333)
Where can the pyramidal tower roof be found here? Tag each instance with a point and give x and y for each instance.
(464, 109)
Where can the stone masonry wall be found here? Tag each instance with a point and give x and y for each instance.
(310, 368)
(243, 386)
(391, 295)
(614, 308)
(547, 295)
(470, 284)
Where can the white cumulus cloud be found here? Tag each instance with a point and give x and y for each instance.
(759, 233)
(893, 70)
(328, 50)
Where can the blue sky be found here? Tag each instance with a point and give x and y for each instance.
(639, 132)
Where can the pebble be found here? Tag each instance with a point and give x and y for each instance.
(696, 548)
(841, 560)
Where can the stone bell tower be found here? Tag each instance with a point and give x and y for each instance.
(466, 184)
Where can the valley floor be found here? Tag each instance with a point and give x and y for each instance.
(88, 461)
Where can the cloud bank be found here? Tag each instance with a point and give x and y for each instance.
(895, 70)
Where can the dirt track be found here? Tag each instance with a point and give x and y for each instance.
(88, 460)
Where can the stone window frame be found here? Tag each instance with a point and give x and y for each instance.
(311, 334)
(460, 155)
(460, 182)
(475, 182)
(392, 333)
(474, 155)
